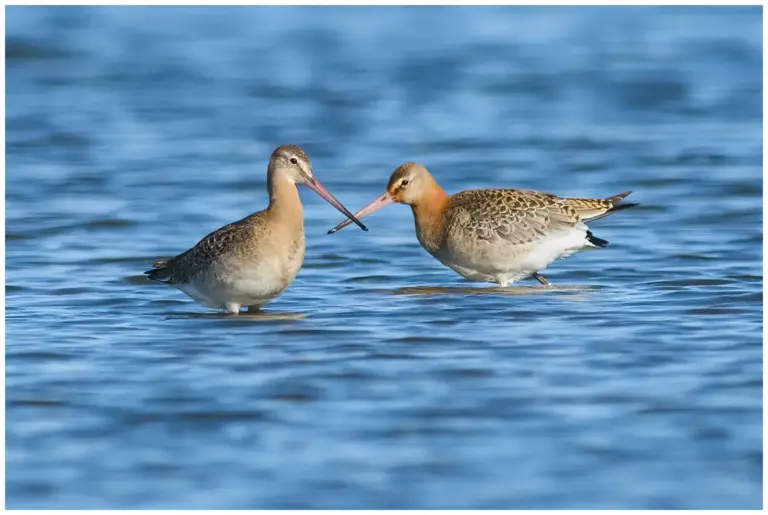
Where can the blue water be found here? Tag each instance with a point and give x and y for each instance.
(381, 379)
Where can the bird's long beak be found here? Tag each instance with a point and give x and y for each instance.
(318, 188)
(377, 204)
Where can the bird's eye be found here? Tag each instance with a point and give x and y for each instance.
(294, 161)
(404, 183)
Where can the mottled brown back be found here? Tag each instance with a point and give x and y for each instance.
(519, 216)
(523, 216)
(182, 268)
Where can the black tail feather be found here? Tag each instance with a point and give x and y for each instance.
(160, 275)
(594, 240)
(623, 206)
(614, 209)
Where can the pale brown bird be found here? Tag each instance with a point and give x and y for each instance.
(496, 235)
(252, 261)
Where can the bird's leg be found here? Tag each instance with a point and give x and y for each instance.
(254, 309)
(541, 279)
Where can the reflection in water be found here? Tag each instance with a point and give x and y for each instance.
(379, 379)
(259, 316)
(491, 290)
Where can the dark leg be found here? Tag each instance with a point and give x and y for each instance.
(254, 309)
(541, 279)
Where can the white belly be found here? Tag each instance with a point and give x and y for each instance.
(500, 261)
(230, 286)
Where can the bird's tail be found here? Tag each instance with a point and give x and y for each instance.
(160, 272)
(594, 209)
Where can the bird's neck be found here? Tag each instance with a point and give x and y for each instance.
(429, 215)
(284, 200)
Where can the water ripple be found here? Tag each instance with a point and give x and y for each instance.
(381, 379)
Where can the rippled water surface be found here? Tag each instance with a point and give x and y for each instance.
(381, 379)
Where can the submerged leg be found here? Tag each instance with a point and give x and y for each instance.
(541, 279)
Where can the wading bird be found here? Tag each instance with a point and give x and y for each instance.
(252, 261)
(495, 235)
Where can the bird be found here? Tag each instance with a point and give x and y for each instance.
(498, 236)
(252, 261)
